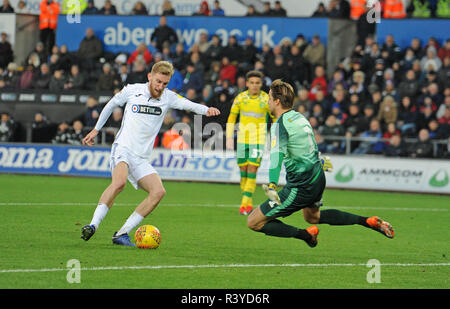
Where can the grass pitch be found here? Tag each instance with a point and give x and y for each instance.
(206, 243)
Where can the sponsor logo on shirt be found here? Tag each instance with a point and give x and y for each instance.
(145, 109)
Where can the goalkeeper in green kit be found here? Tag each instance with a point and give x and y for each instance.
(292, 143)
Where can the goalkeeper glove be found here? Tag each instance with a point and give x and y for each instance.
(271, 192)
(326, 163)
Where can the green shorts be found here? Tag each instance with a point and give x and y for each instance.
(295, 198)
(249, 154)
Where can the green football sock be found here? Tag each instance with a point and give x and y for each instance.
(279, 229)
(337, 217)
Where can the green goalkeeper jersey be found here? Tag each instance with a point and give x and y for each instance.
(293, 143)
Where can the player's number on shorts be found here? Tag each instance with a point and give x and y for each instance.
(256, 153)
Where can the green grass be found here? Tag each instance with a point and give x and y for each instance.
(199, 227)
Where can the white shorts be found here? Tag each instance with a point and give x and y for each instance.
(137, 167)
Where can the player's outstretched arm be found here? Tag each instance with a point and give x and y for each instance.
(90, 138)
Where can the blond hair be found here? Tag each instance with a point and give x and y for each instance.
(284, 92)
(163, 67)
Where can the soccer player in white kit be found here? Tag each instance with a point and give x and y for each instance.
(146, 106)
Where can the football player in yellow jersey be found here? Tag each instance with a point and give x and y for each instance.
(253, 110)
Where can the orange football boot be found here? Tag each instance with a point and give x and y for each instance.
(381, 226)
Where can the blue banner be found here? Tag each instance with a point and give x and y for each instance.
(404, 30)
(124, 33)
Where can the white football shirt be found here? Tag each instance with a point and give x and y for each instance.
(143, 116)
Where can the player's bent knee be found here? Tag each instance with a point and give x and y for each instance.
(118, 186)
(253, 224)
(158, 194)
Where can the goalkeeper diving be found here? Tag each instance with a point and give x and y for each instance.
(293, 144)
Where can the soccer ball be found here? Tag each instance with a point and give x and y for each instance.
(147, 237)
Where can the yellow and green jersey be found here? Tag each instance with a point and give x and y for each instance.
(253, 112)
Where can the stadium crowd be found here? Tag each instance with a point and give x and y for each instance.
(399, 97)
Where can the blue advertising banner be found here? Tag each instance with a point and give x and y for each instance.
(124, 33)
(404, 30)
(94, 162)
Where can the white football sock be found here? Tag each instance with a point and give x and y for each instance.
(99, 214)
(131, 223)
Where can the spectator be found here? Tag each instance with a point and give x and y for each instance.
(302, 99)
(372, 144)
(91, 9)
(193, 79)
(431, 62)
(57, 81)
(90, 115)
(357, 8)
(108, 9)
(394, 9)
(321, 11)
(315, 52)
(41, 130)
(179, 57)
(267, 10)
(249, 52)
(409, 86)
(6, 7)
(442, 109)
(423, 148)
(163, 33)
(355, 123)
(48, 22)
(176, 82)
(332, 128)
(75, 80)
(6, 52)
(11, 76)
(22, 8)
(139, 9)
(338, 9)
(26, 78)
(121, 77)
(66, 59)
(396, 147)
(391, 50)
(42, 79)
(214, 51)
(217, 10)
(388, 110)
(203, 10)
(298, 67)
(167, 8)
(76, 133)
(319, 83)
(337, 111)
(278, 10)
(251, 11)
(278, 70)
(7, 127)
(62, 134)
(228, 71)
(232, 50)
(138, 73)
(203, 42)
(407, 116)
(318, 113)
(444, 51)
(419, 9)
(106, 79)
(141, 53)
(365, 26)
(90, 50)
(424, 117)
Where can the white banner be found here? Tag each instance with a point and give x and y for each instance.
(390, 174)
